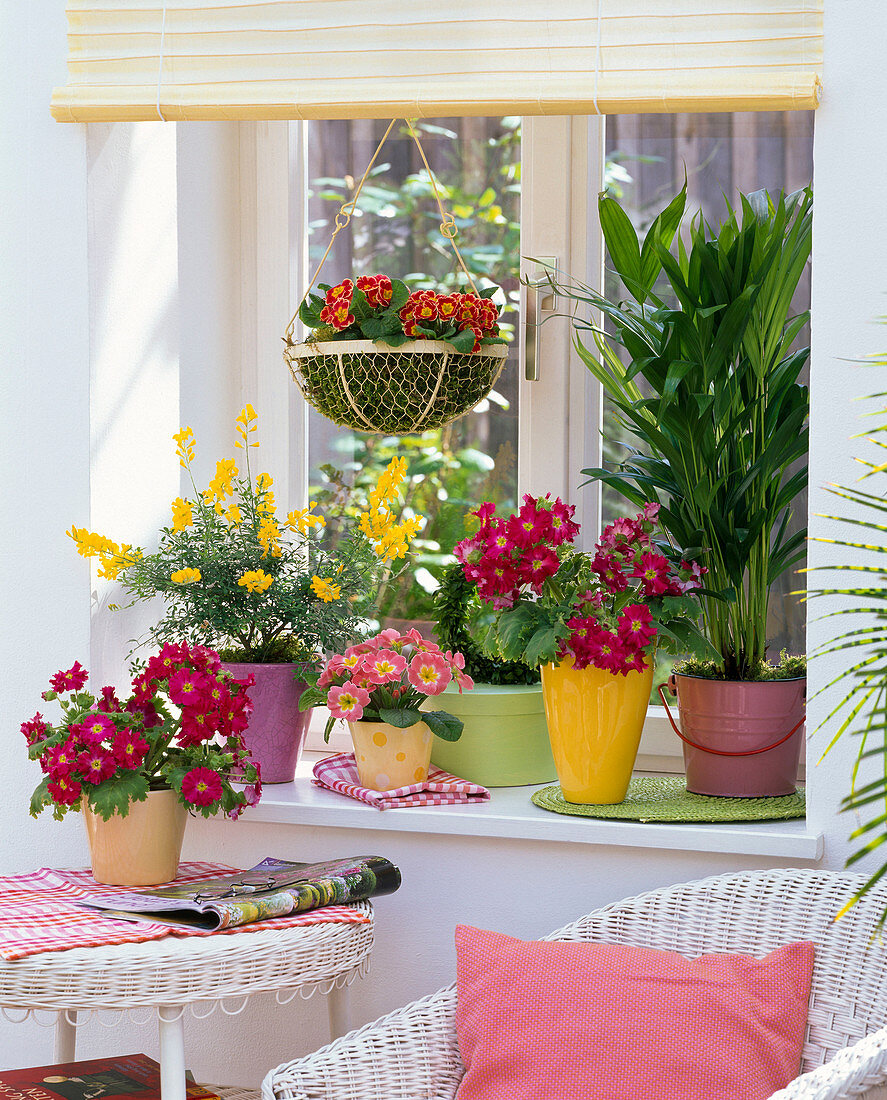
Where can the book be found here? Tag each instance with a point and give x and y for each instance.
(273, 888)
(130, 1075)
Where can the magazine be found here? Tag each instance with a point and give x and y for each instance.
(131, 1075)
(273, 888)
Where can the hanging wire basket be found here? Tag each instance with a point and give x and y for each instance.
(369, 385)
(376, 388)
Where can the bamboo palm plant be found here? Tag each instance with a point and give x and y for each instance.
(721, 422)
(862, 712)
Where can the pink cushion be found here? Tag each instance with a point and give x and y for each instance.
(593, 1021)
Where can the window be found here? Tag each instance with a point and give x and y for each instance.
(553, 425)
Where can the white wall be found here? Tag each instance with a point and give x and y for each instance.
(184, 369)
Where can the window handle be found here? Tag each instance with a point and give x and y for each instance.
(540, 305)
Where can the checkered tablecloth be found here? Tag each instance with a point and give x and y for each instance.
(339, 773)
(38, 912)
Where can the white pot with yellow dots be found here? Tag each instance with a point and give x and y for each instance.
(388, 757)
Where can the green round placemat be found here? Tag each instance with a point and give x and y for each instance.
(658, 798)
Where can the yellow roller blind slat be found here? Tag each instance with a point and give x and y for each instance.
(380, 59)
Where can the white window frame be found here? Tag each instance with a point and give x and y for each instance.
(560, 413)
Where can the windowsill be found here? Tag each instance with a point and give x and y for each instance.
(509, 814)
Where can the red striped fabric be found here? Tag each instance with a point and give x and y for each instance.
(38, 912)
(339, 773)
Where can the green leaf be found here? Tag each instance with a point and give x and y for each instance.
(115, 794)
(445, 726)
(312, 697)
(41, 798)
(463, 341)
(400, 292)
(622, 243)
(401, 717)
(542, 647)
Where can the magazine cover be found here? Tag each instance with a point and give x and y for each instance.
(273, 888)
(130, 1075)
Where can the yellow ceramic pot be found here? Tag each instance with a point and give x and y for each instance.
(595, 719)
(141, 849)
(388, 757)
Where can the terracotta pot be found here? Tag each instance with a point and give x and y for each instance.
(277, 728)
(595, 721)
(740, 740)
(504, 742)
(388, 757)
(141, 849)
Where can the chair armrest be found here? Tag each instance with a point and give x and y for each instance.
(411, 1054)
(853, 1071)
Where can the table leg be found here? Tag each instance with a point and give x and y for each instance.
(65, 1036)
(338, 1003)
(171, 1022)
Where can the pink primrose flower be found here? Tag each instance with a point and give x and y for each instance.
(108, 700)
(619, 532)
(348, 701)
(72, 680)
(95, 728)
(537, 565)
(527, 528)
(253, 791)
(201, 787)
(385, 667)
(64, 790)
(429, 673)
(62, 760)
(188, 687)
(653, 570)
(130, 749)
(485, 514)
(607, 567)
(636, 625)
(96, 765)
(197, 726)
(563, 527)
(34, 729)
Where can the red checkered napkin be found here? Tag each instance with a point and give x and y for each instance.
(339, 773)
(38, 912)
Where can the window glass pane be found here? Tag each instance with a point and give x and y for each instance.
(396, 231)
(722, 155)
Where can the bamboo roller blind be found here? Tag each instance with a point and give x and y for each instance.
(246, 59)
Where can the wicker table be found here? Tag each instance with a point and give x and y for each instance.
(172, 974)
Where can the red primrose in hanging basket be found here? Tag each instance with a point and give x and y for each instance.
(379, 358)
(382, 359)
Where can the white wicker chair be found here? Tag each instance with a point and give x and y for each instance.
(412, 1054)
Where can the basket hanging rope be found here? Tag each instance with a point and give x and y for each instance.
(407, 385)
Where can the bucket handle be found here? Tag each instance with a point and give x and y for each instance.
(721, 752)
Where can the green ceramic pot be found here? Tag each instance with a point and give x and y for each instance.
(505, 740)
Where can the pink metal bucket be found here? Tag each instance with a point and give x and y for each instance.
(276, 731)
(740, 740)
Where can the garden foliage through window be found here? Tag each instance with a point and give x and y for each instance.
(396, 231)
